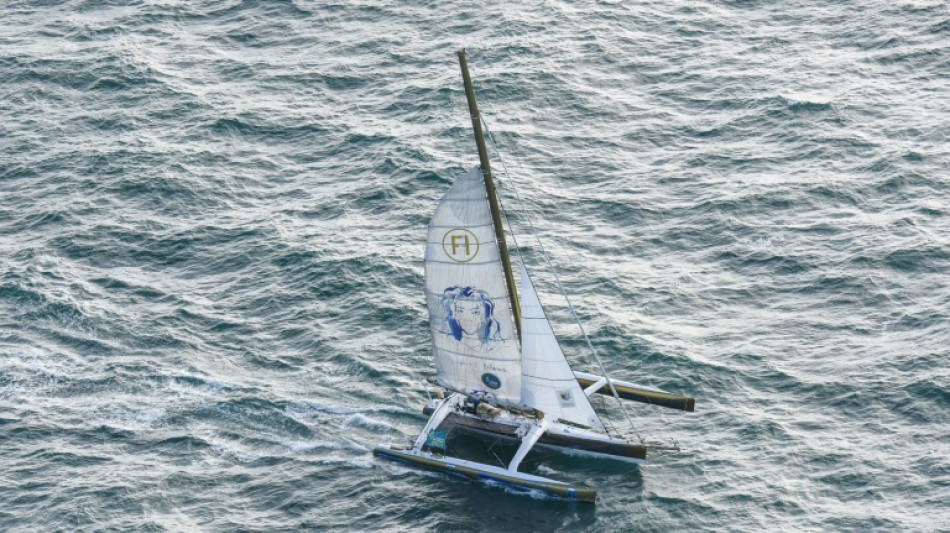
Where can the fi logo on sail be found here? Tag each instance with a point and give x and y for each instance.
(460, 245)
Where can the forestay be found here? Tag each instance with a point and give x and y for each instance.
(547, 381)
(473, 337)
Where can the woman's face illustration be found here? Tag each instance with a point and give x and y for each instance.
(470, 315)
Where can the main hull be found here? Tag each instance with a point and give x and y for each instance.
(559, 436)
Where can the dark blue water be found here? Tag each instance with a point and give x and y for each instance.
(213, 221)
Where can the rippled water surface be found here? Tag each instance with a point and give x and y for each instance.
(214, 215)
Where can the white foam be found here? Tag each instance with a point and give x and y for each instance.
(358, 420)
(325, 445)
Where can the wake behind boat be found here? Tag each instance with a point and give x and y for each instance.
(496, 354)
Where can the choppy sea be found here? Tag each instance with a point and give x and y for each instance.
(214, 212)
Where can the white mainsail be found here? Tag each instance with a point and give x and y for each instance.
(473, 335)
(547, 381)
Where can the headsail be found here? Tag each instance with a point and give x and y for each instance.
(474, 341)
(547, 381)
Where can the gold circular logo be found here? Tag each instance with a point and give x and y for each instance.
(460, 245)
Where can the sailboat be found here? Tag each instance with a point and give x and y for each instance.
(500, 369)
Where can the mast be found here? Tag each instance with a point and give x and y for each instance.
(490, 188)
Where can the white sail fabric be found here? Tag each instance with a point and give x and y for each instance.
(547, 381)
(473, 337)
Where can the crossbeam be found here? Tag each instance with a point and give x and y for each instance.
(438, 415)
(599, 384)
(528, 442)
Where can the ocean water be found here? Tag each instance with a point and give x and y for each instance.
(214, 214)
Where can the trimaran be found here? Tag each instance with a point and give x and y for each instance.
(496, 355)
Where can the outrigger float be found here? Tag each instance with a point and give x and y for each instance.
(497, 358)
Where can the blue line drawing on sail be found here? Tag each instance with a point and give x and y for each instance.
(469, 317)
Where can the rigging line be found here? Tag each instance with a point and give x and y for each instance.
(545, 223)
(557, 277)
(514, 238)
(492, 451)
(602, 405)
